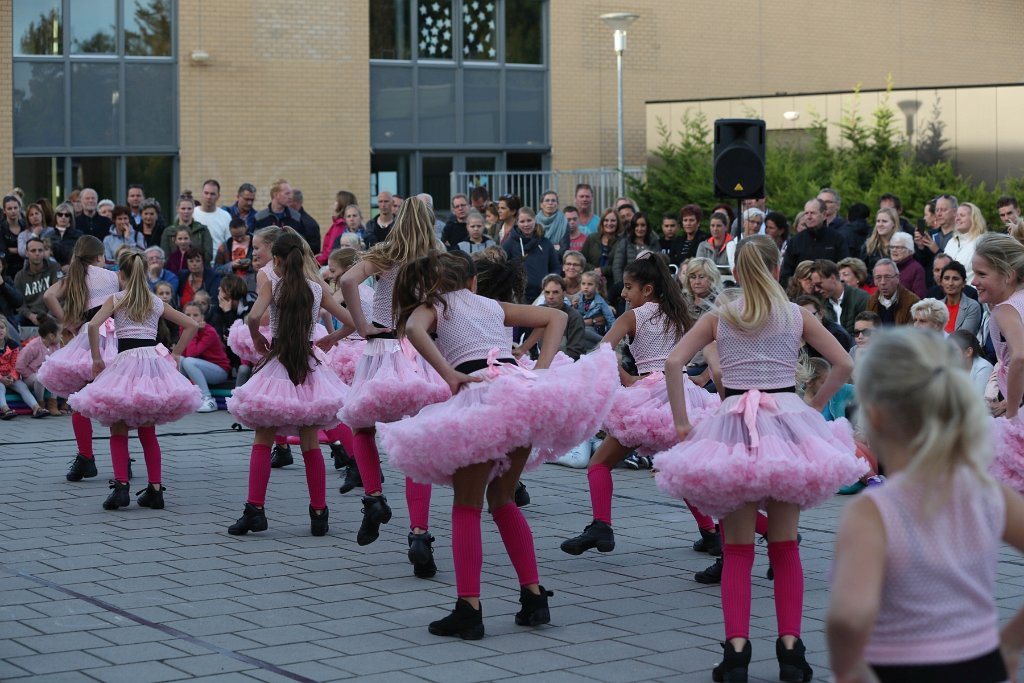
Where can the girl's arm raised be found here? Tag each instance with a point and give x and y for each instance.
(188, 326)
(94, 334)
(699, 336)
(857, 580)
(421, 323)
(51, 297)
(551, 320)
(821, 339)
(350, 290)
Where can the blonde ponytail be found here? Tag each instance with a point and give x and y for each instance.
(757, 257)
(137, 300)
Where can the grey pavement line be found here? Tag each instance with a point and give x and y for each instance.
(163, 628)
(168, 435)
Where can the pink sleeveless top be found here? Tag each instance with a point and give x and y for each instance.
(268, 270)
(101, 285)
(275, 312)
(472, 326)
(940, 572)
(1016, 300)
(383, 298)
(133, 329)
(650, 345)
(765, 359)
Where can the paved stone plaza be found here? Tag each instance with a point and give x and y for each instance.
(142, 596)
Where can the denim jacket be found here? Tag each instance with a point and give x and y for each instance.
(595, 308)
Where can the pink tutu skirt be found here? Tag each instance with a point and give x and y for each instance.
(240, 341)
(558, 361)
(139, 387)
(270, 399)
(759, 447)
(511, 408)
(1008, 449)
(69, 368)
(391, 381)
(344, 356)
(641, 416)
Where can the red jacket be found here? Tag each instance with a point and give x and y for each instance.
(208, 346)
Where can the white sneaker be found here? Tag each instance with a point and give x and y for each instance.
(578, 457)
(209, 405)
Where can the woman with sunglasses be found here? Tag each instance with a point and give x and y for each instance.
(63, 234)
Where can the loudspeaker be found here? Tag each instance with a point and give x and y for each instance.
(739, 158)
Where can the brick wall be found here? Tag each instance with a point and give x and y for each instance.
(285, 94)
(702, 50)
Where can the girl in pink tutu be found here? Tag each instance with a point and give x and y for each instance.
(915, 564)
(657, 318)
(83, 290)
(141, 387)
(764, 447)
(998, 266)
(391, 380)
(473, 354)
(290, 391)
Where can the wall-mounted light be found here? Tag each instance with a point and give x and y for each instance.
(791, 115)
(200, 56)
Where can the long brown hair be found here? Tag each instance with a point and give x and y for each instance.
(411, 237)
(294, 300)
(650, 268)
(427, 279)
(76, 289)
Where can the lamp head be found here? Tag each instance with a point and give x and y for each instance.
(619, 21)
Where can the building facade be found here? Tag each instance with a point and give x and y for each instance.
(395, 94)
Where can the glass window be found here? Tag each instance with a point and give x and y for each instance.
(38, 110)
(149, 104)
(391, 110)
(479, 30)
(437, 105)
(93, 26)
(156, 175)
(437, 181)
(435, 29)
(147, 28)
(389, 29)
(524, 32)
(40, 177)
(99, 173)
(389, 172)
(38, 28)
(481, 118)
(525, 108)
(95, 105)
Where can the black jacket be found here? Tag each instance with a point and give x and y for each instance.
(310, 231)
(538, 257)
(453, 233)
(856, 234)
(810, 245)
(98, 226)
(290, 218)
(375, 233)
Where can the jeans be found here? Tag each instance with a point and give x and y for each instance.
(202, 373)
(22, 390)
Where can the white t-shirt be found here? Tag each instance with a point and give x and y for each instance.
(217, 221)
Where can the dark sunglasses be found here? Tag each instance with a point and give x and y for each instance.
(63, 214)
(867, 333)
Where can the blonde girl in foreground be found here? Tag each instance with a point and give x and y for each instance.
(915, 560)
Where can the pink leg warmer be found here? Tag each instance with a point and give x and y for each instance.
(467, 550)
(518, 539)
(119, 456)
(151, 451)
(82, 427)
(789, 586)
(364, 449)
(704, 522)
(600, 478)
(417, 497)
(761, 524)
(739, 560)
(259, 474)
(316, 478)
(280, 440)
(344, 435)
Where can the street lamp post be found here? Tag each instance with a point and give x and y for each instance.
(618, 22)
